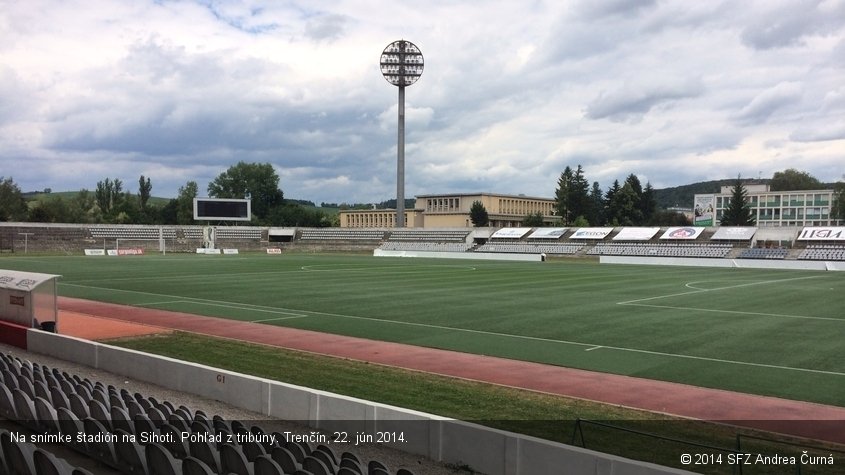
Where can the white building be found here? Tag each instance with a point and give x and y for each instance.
(770, 208)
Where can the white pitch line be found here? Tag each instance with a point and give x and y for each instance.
(763, 282)
(523, 337)
(594, 348)
(738, 312)
(165, 302)
(279, 318)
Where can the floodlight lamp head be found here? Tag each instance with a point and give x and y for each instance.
(402, 63)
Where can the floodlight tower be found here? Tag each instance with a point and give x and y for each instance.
(402, 65)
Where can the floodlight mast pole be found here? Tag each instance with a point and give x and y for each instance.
(402, 65)
(400, 162)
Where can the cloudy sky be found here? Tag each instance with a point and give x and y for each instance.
(513, 91)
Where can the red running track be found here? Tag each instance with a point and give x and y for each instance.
(804, 419)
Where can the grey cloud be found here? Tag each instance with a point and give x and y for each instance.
(791, 22)
(591, 9)
(765, 104)
(327, 27)
(834, 131)
(632, 102)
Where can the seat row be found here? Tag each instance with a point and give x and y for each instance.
(341, 235)
(763, 253)
(822, 252)
(700, 250)
(131, 232)
(526, 248)
(141, 435)
(425, 246)
(21, 457)
(428, 235)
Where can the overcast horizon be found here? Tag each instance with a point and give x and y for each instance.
(512, 93)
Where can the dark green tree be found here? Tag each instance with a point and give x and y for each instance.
(108, 195)
(648, 203)
(259, 181)
(185, 203)
(792, 179)
(533, 220)
(624, 207)
(838, 204)
(12, 203)
(633, 182)
(668, 218)
(596, 213)
(145, 189)
(611, 213)
(738, 211)
(562, 194)
(572, 196)
(478, 214)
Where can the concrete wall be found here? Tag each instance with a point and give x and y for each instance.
(492, 256)
(489, 451)
(719, 262)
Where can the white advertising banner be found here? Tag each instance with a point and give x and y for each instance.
(510, 233)
(684, 232)
(591, 233)
(733, 233)
(703, 207)
(822, 233)
(636, 234)
(547, 233)
(207, 250)
(95, 252)
(230, 251)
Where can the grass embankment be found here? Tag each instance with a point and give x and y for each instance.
(536, 414)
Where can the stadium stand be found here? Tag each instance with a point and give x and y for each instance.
(342, 234)
(131, 232)
(763, 253)
(238, 232)
(661, 249)
(426, 246)
(104, 417)
(531, 248)
(193, 232)
(428, 235)
(823, 252)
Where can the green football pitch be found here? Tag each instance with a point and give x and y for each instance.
(772, 332)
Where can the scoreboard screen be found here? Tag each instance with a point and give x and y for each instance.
(222, 209)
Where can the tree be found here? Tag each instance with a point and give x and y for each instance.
(648, 203)
(572, 194)
(595, 216)
(144, 190)
(185, 203)
(258, 181)
(792, 179)
(611, 214)
(623, 206)
(838, 211)
(562, 194)
(478, 214)
(669, 218)
(108, 194)
(12, 203)
(533, 220)
(738, 211)
(635, 216)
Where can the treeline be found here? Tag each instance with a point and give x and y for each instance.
(387, 204)
(111, 203)
(623, 204)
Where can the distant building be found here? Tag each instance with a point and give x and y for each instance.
(770, 208)
(452, 210)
